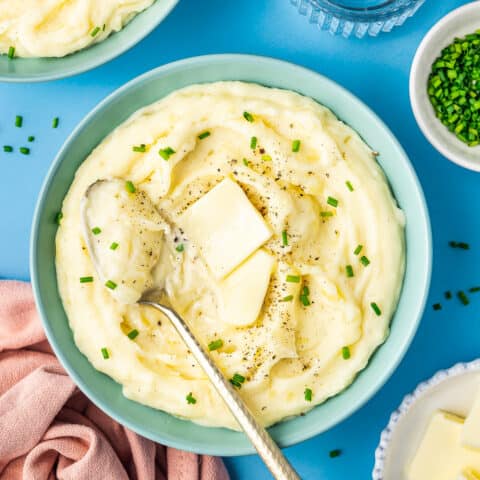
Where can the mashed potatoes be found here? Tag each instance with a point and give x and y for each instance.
(55, 28)
(275, 236)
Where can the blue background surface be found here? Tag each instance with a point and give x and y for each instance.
(376, 70)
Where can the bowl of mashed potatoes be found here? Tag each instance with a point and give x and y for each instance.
(282, 219)
(51, 39)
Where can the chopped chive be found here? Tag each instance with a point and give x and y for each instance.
(248, 116)
(180, 247)
(293, 278)
(288, 298)
(104, 27)
(18, 121)
(166, 153)
(132, 334)
(253, 143)
(11, 52)
(86, 279)
(358, 249)
(237, 380)
(246, 162)
(130, 187)
(305, 290)
(463, 297)
(346, 352)
(349, 271)
(437, 306)
(31, 138)
(95, 31)
(191, 400)
(448, 294)
(55, 122)
(204, 135)
(58, 218)
(305, 300)
(266, 158)
(364, 261)
(334, 453)
(326, 214)
(349, 186)
(474, 289)
(284, 238)
(96, 230)
(332, 202)
(8, 148)
(215, 345)
(111, 284)
(105, 353)
(114, 246)
(296, 146)
(308, 394)
(142, 148)
(24, 150)
(376, 309)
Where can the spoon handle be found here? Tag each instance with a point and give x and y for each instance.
(260, 438)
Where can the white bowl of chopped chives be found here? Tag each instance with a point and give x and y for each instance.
(444, 90)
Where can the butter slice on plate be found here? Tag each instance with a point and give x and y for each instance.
(440, 455)
(471, 429)
(242, 293)
(225, 226)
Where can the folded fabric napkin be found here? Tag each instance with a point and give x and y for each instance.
(50, 430)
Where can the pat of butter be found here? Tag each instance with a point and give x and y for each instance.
(469, 474)
(225, 226)
(441, 455)
(242, 293)
(471, 429)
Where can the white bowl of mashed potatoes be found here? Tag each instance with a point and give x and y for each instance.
(50, 39)
(284, 247)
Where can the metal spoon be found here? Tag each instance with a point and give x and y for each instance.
(268, 450)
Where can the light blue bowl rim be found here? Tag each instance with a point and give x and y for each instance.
(286, 437)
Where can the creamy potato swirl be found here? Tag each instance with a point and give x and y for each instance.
(294, 348)
(55, 28)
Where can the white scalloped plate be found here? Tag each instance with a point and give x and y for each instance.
(452, 390)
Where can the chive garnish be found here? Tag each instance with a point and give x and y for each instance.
(437, 306)
(349, 186)
(266, 158)
(55, 122)
(293, 278)
(111, 284)
(166, 153)
(237, 380)
(8, 148)
(31, 138)
(253, 143)
(95, 31)
(191, 400)
(215, 345)
(288, 298)
(305, 300)
(332, 202)
(305, 290)
(364, 261)
(204, 135)
(24, 150)
(180, 247)
(448, 294)
(130, 187)
(474, 289)
(296, 146)
(132, 334)
(308, 394)
(58, 218)
(326, 214)
(105, 353)
(358, 249)
(96, 230)
(334, 453)
(463, 297)
(284, 238)
(114, 246)
(245, 162)
(248, 116)
(18, 121)
(11, 52)
(349, 271)
(142, 148)
(376, 309)
(86, 279)
(346, 352)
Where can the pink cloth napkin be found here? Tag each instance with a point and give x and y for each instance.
(50, 430)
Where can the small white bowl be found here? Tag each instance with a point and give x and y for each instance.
(453, 390)
(458, 23)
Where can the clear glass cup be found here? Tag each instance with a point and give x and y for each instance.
(357, 17)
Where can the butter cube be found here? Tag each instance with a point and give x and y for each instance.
(441, 455)
(471, 429)
(243, 292)
(225, 226)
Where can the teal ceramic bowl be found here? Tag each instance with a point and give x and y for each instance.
(42, 69)
(148, 88)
